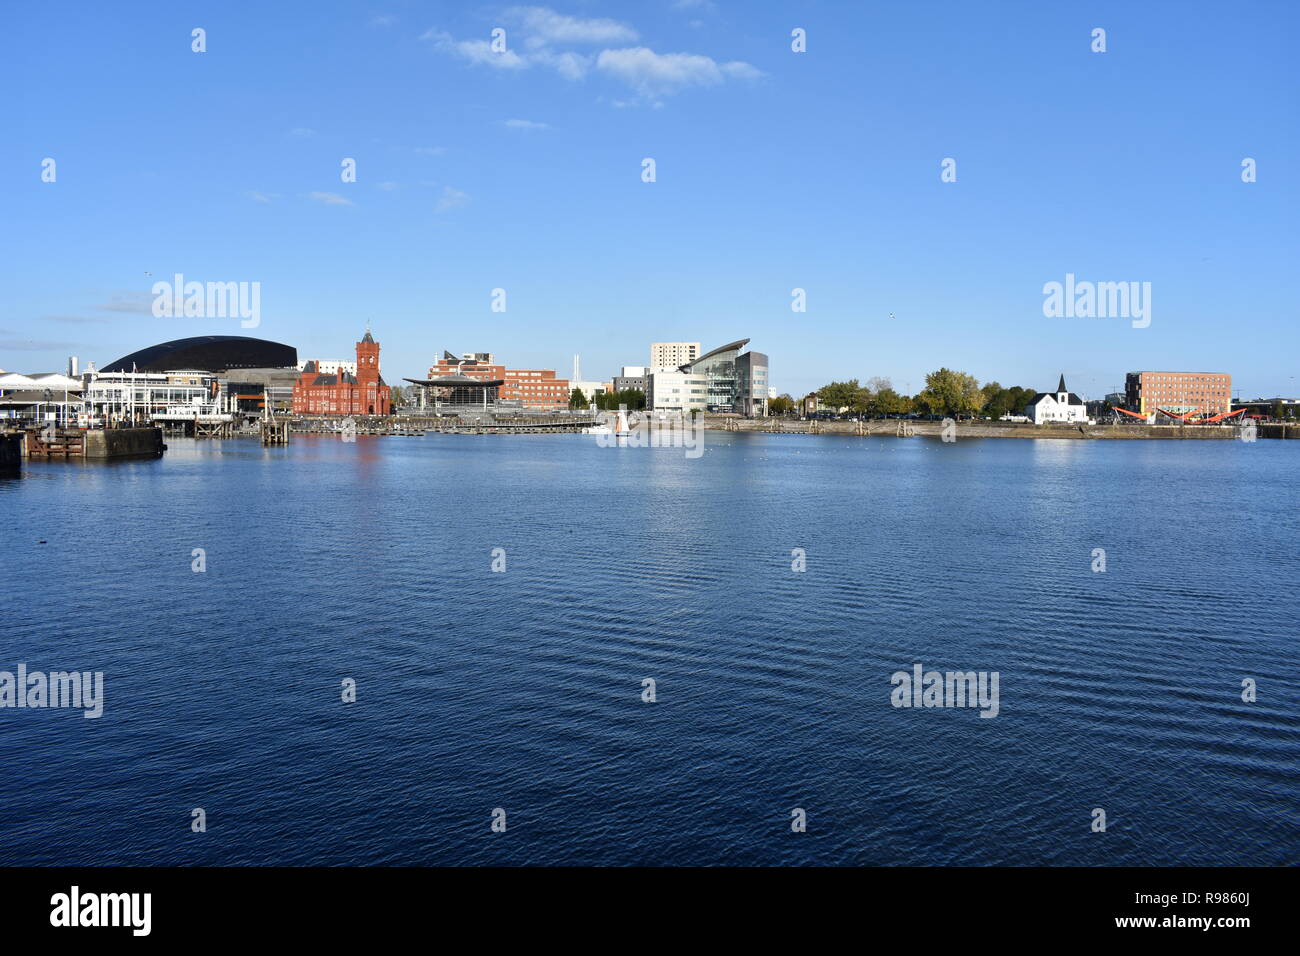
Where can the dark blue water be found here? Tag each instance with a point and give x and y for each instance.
(522, 690)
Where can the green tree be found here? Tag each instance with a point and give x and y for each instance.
(886, 401)
(995, 400)
(633, 398)
(839, 395)
(948, 392)
(577, 399)
(781, 405)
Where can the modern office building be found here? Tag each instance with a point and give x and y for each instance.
(677, 392)
(1207, 393)
(623, 382)
(673, 354)
(531, 388)
(723, 381)
(342, 393)
(461, 395)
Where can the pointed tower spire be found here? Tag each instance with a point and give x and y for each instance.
(1061, 387)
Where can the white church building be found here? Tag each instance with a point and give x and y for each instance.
(1058, 406)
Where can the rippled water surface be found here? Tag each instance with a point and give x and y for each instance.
(522, 690)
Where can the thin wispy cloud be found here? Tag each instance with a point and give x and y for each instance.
(660, 74)
(332, 199)
(257, 197)
(386, 20)
(34, 345)
(475, 51)
(524, 124)
(542, 26)
(72, 319)
(129, 302)
(451, 199)
(543, 35)
(302, 132)
(387, 187)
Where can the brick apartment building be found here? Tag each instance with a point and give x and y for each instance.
(534, 388)
(342, 392)
(1208, 393)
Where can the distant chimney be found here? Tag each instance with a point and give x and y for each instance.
(72, 367)
(577, 368)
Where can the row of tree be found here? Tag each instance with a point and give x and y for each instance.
(946, 392)
(632, 399)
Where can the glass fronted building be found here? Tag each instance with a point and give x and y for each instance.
(733, 382)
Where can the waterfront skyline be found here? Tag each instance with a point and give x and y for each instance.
(775, 171)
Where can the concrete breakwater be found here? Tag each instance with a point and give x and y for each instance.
(92, 443)
(910, 428)
(124, 443)
(420, 424)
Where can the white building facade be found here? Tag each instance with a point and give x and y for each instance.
(1059, 406)
(677, 391)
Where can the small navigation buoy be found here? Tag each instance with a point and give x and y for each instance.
(42, 541)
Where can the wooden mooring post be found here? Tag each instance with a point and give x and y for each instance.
(275, 431)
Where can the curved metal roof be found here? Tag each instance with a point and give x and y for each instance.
(455, 380)
(735, 346)
(208, 353)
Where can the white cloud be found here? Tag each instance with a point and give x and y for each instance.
(332, 199)
(451, 199)
(383, 21)
(656, 74)
(544, 31)
(740, 70)
(301, 132)
(542, 26)
(524, 124)
(254, 195)
(570, 65)
(387, 187)
(475, 51)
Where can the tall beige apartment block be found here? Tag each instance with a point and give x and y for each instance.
(665, 354)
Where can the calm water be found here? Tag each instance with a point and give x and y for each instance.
(522, 690)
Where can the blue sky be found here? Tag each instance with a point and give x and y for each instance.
(775, 170)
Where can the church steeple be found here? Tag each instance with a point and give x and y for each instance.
(1060, 388)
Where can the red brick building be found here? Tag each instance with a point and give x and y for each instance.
(343, 393)
(1209, 393)
(535, 388)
